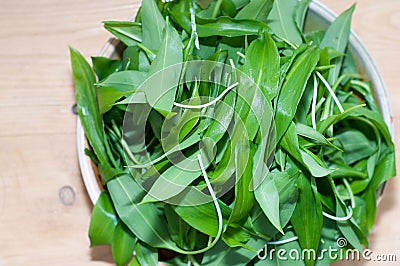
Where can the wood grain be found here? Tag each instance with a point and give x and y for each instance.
(38, 153)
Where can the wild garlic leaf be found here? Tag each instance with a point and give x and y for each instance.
(293, 88)
(103, 67)
(256, 9)
(204, 217)
(337, 37)
(267, 196)
(244, 197)
(124, 81)
(222, 26)
(301, 12)
(124, 243)
(103, 221)
(308, 211)
(87, 105)
(130, 33)
(146, 255)
(170, 53)
(355, 151)
(262, 64)
(291, 145)
(282, 21)
(153, 24)
(142, 219)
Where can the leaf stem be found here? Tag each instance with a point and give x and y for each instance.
(280, 242)
(331, 92)
(149, 53)
(350, 191)
(314, 103)
(286, 41)
(241, 55)
(218, 209)
(210, 103)
(192, 260)
(340, 219)
(216, 9)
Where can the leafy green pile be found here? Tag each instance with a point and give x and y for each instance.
(332, 150)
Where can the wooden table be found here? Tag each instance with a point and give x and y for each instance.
(41, 222)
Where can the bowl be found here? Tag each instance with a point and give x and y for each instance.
(318, 17)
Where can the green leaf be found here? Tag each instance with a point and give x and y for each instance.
(116, 86)
(179, 176)
(203, 217)
(142, 219)
(337, 37)
(267, 196)
(124, 81)
(254, 110)
(291, 145)
(107, 97)
(293, 88)
(313, 164)
(244, 197)
(87, 105)
(178, 228)
(313, 134)
(162, 97)
(228, 8)
(123, 244)
(355, 150)
(355, 111)
(345, 227)
(262, 65)
(222, 117)
(130, 33)
(222, 26)
(288, 195)
(330, 235)
(385, 169)
(107, 173)
(308, 211)
(146, 256)
(134, 262)
(104, 67)
(282, 21)
(240, 3)
(236, 237)
(153, 25)
(222, 255)
(177, 127)
(256, 9)
(301, 12)
(103, 221)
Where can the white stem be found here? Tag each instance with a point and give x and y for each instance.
(232, 64)
(214, 198)
(339, 218)
(331, 92)
(350, 191)
(283, 241)
(219, 214)
(314, 103)
(207, 104)
(194, 28)
(241, 55)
